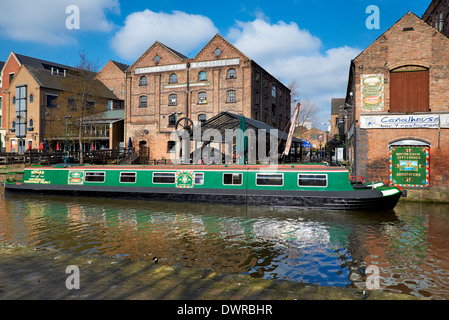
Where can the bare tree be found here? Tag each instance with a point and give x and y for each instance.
(82, 97)
(307, 111)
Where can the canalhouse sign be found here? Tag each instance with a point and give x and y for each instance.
(404, 121)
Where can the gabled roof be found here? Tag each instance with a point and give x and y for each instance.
(227, 120)
(336, 104)
(123, 67)
(39, 63)
(411, 14)
(219, 36)
(176, 53)
(48, 80)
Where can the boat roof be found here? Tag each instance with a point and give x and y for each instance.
(197, 167)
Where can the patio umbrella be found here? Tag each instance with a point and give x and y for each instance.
(41, 147)
(92, 146)
(57, 146)
(29, 146)
(242, 142)
(130, 145)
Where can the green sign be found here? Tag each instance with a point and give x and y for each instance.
(185, 179)
(409, 166)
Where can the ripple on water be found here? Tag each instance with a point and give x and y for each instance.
(313, 246)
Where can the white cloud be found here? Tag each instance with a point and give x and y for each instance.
(288, 53)
(179, 30)
(44, 21)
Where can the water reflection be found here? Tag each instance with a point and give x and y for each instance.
(315, 246)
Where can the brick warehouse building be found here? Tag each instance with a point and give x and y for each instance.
(398, 103)
(163, 86)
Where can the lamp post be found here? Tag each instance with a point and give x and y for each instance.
(65, 148)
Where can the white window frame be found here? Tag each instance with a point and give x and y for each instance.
(270, 174)
(310, 174)
(232, 184)
(128, 172)
(171, 173)
(86, 174)
(199, 173)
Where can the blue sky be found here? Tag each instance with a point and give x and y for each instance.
(308, 41)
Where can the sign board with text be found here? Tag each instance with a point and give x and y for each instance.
(409, 166)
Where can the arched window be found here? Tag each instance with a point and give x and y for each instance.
(230, 96)
(143, 81)
(173, 78)
(31, 123)
(31, 98)
(173, 99)
(202, 76)
(172, 120)
(273, 91)
(202, 97)
(143, 102)
(231, 74)
(273, 110)
(202, 118)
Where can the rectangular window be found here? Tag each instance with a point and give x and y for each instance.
(232, 178)
(164, 177)
(171, 146)
(94, 176)
(269, 179)
(127, 177)
(199, 178)
(312, 180)
(51, 101)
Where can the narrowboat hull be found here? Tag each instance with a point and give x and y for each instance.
(370, 199)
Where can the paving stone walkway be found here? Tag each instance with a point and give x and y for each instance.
(35, 274)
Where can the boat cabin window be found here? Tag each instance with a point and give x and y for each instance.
(164, 177)
(232, 178)
(127, 177)
(199, 178)
(312, 180)
(94, 176)
(269, 179)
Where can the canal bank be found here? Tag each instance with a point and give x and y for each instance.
(32, 273)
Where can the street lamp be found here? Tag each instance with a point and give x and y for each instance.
(65, 148)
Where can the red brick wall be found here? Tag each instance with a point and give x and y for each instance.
(423, 46)
(113, 78)
(11, 65)
(155, 116)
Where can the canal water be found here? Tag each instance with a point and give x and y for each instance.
(409, 245)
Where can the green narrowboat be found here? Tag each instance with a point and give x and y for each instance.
(307, 186)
